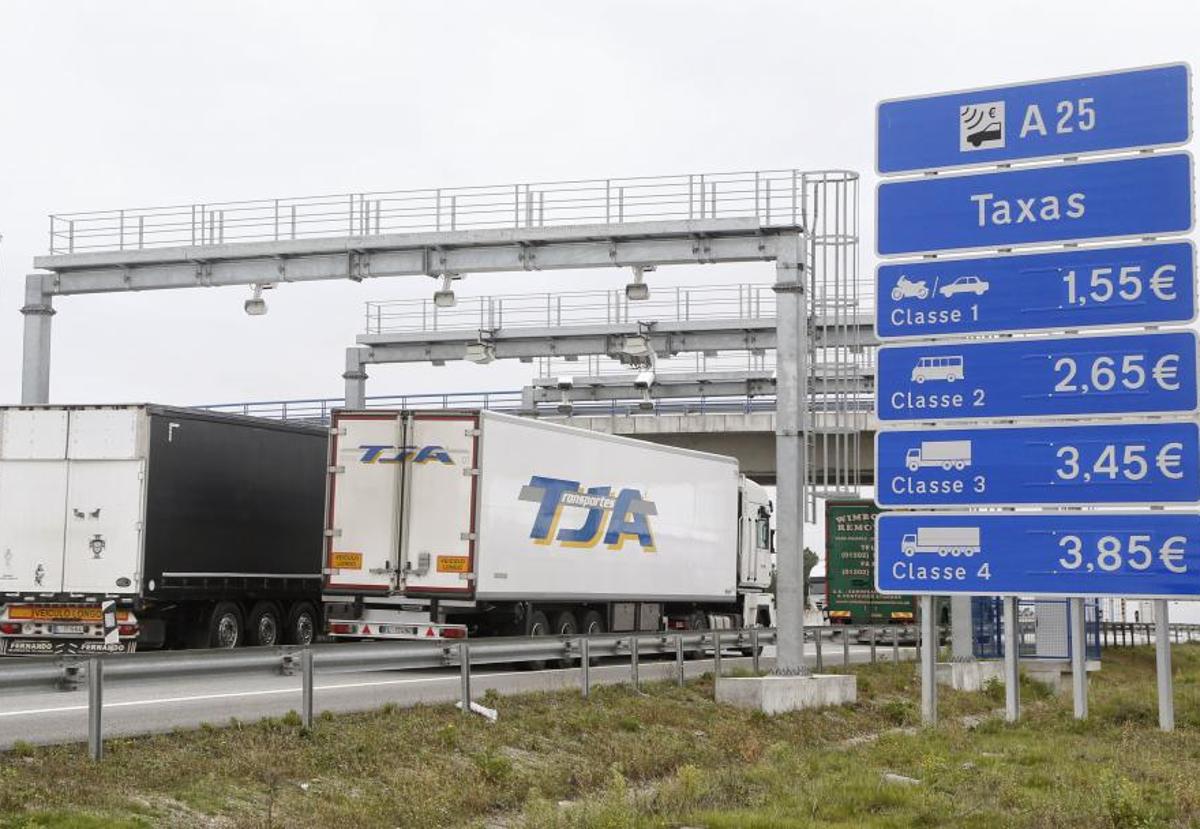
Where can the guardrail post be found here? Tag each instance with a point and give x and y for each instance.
(306, 687)
(679, 657)
(716, 657)
(585, 665)
(464, 669)
(818, 635)
(895, 645)
(846, 648)
(872, 644)
(754, 655)
(96, 708)
(633, 663)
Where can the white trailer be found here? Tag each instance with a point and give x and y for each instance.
(944, 454)
(443, 524)
(944, 541)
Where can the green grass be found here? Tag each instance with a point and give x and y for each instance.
(671, 758)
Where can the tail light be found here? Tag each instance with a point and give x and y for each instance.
(454, 633)
(127, 630)
(10, 628)
(340, 627)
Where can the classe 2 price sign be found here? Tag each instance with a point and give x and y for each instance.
(1036, 377)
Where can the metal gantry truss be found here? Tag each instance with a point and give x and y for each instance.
(804, 224)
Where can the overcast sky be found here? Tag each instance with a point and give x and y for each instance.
(111, 105)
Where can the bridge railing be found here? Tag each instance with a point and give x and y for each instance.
(554, 309)
(774, 197)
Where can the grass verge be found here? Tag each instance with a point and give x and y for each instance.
(666, 759)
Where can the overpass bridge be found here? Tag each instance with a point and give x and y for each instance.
(743, 427)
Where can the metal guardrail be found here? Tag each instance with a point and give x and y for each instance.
(318, 409)
(1128, 634)
(555, 309)
(69, 673)
(775, 197)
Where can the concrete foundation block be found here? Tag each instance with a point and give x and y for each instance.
(1054, 674)
(970, 676)
(778, 694)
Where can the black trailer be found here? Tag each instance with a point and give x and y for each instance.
(204, 529)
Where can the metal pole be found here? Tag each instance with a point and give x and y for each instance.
(754, 655)
(633, 663)
(1012, 661)
(585, 666)
(895, 645)
(846, 648)
(1079, 659)
(818, 635)
(791, 376)
(716, 657)
(35, 362)
(464, 670)
(356, 378)
(679, 657)
(872, 644)
(928, 662)
(96, 708)
(306, 687)
(1162, 660)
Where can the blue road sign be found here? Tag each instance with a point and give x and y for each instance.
(1077, 288)
(1038, 377)
(1152, 555)
(1125, 464)
(1068, 116)
(1133, 197)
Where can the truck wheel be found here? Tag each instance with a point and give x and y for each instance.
(263, 625)
(539, 625)
(565, 625)
(224, 626)
(591, 624)
(301, 626)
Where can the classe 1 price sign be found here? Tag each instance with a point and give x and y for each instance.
(1060, 465)
(1077, 288)
(1148, 555)
(1037, 377)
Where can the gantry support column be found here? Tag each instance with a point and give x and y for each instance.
(35, 358)
(791, 396)
(356, 378)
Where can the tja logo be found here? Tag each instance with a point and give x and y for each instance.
(402, 454)
(615, 519)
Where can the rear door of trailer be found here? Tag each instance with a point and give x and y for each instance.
(402, 496)
(72, 494)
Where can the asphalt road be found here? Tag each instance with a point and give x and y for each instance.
(133, 707)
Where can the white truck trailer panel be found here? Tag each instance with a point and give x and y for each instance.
(570, 514)
(517, 509)
(72, 500)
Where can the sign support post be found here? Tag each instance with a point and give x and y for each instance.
(1012, 660)
(929, 649)
(1079, 658)
(1162, 661)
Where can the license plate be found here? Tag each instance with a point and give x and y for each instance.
(68, 628)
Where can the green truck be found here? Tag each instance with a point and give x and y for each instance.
(850, 597)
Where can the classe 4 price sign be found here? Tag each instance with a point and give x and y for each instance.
(1148, 555)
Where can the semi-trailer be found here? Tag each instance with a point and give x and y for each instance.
(442, 525)
(203, 529)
